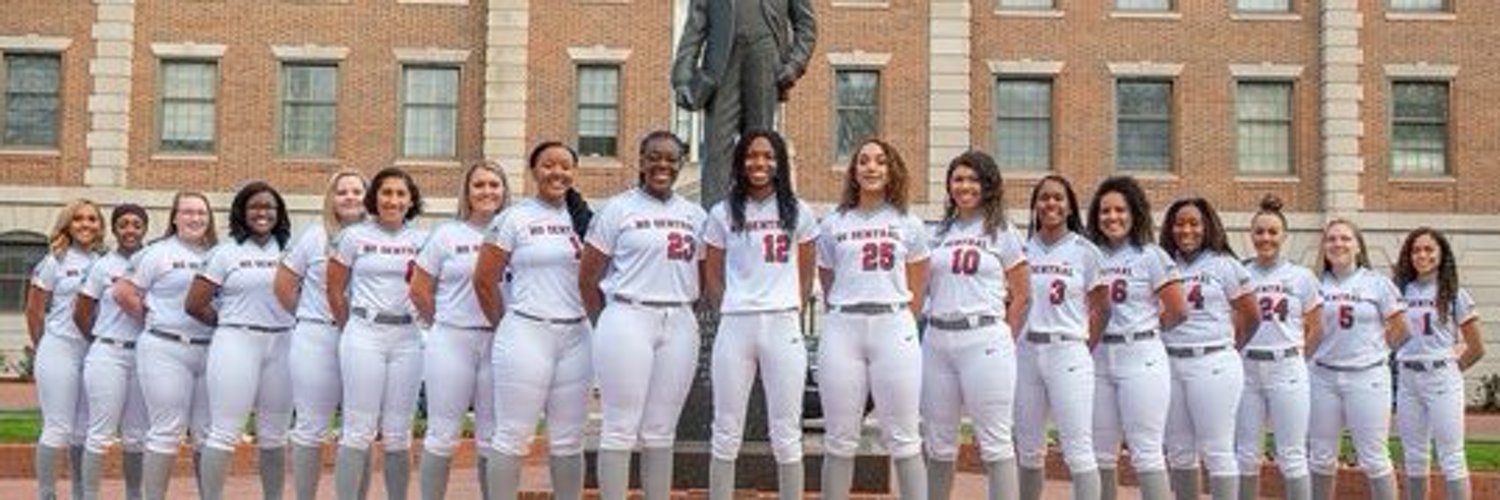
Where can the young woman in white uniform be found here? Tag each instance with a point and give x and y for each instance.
(247, 363)
(978, 288)
(1287, 298)
(380, 350)
(1054, 371)
(314, 362)
(116, 411)
(541, 351)
(1351, 385)
(872, 264)
(456, 357)
(1133, 385)
(645, 245)
(171, 355)
(1207, 374)
(1430, 393)
(760, 269)
(77, 241)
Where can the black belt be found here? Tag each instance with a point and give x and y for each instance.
(869, 308)
(649, 303)
(1129, 337)
(381, 318)
(1194, 352)
(468, 328)
(554, 321)
(179, 338)
(1048, 338)
(1423, 366)
(1339, 368)
(1272, 354)
(964, 323)
(123, 344)
(316, 321)
(259, 329)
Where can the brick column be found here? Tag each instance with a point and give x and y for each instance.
(507, 26)
(108, 139)
(1340, 94)
(948, 101)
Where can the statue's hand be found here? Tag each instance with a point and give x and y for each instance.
(787, 77)
(685, 98)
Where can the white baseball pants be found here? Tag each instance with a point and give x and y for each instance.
(1200, 419)
(1132, 393)
(875, 355)
(456, 368)
(116, 409)
(381, 368)
(1056, 377)
(1430, 408)
(248, 370)
(317, 388)
(175, 391)
(1277, 390)
(770, 342)
(1357, 400)
(59, 390)
(645, 358)
(973, 370)
(541, 367)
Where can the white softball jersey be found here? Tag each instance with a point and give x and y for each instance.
(380, 262)
(62, 277)
(1211, 282)
(449, 256)
(653, 246)
(1429, 337)
(868, 250)
(967, 274)
(244, 273)
(1284, 294)
(1354, 313)
(760, 260)
(110, 320)
(163, 271)
(1062, 274)
(1134, 274)
(308, 259)
(544, 252)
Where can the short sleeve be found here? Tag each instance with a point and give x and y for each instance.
(96, 280)
(1387, 297)
(807, 224)
(917, 247)
(605, 228)
(716, 230)
(301, 254)
(1308, 289)
(700, 247)
(146, 265)
(507, 233)
(1463, 308)
(434, 251)
(346, 246)
(825, 246)
(1092, 262)
(1008, 248)
(1234, 277)
(1160, 268)
(218, 266)
(44, 275)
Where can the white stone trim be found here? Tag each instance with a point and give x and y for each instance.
(1266, 71)
(1265, 16)
(108, 105)
(507, 25)
(430, 55)
(1398, 16)
(1025, 67)
(432, 2)
(1029, 13)
(949, 77)
(189, 50)
(1150, 15)
(859, 59)
(1145, 69)
(598, 54)
(309, 52)
(32, 42)
(1421, 70)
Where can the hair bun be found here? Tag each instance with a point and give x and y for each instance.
(1271, 203)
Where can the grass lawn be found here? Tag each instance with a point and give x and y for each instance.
(20, 426)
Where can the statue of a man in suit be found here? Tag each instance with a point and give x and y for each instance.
(736, 60)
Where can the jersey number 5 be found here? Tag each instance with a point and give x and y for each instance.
(1346, 316)
(680, 247)
(878, 256)
(775, 247)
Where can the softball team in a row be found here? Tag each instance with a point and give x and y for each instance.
(1167, 342)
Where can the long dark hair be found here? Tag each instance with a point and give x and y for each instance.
(896, 175)
(239, 227)
(1073, 222)
(991, 191)
(372, 194)
(781, 181)
(578, 208)
(1213, 229)
(1135, 201)
(1447, 272)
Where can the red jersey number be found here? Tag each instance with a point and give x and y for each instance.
(680, 247)
(775, 246)
(878, 256)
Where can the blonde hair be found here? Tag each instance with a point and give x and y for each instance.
(331, 222)
(1362, 259)
(61, 238)
(463, 192)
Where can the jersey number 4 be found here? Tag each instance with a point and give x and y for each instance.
(775, 247)
(878, 256)
(680, 247)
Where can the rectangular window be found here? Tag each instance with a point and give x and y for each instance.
(309, 109)
(31, 100)
(1143, 125)
(1419, 128)
(1024, 4)
(1263, 127)
(429, 112)
(1263, 5)
(189, 90)
(857, 108)
(1023, 124)
(1419, 5)
(598, 110)
(1144, 5)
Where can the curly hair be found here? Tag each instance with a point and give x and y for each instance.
(991, 191)
(1405, 272)
(896, 176)
(1135, 201)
